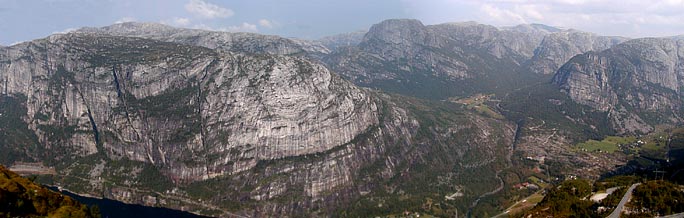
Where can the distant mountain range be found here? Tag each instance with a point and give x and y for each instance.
(361, 124)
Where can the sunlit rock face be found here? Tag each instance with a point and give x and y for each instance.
(558, 47)
(245, 123)
(630, 81)
(161, 107)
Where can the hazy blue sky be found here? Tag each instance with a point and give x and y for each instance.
(22, 20)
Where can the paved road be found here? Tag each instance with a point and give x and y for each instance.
(501, 181)
(679, 215)
(625, 199)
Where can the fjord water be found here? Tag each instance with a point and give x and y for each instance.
(111, 208)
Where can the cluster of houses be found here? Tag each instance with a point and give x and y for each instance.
(526, 185)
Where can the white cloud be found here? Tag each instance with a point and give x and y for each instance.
(125, 19)
(266, 23)
(207, 10)
(632, 18)
(499, 15)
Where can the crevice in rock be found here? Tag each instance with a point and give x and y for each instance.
(121, 96)
(116, 83)
(92, 122)
(4, 92)
(199, 114)
(96, 133)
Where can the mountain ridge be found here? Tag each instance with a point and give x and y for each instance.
(131, 119)
(643, 75)
(243, 123)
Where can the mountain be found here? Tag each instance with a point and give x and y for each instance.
(113, 87)
(639, 82)
(627, 90)
(460, 59)
(437, 61)
(21, 197)
(558, 47)
(227, 41)
(223, 131)
(335, 42)
(243, 124)
(534, 27)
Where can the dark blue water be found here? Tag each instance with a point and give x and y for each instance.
(113, 209)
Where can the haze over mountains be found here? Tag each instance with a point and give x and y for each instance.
(361, 124)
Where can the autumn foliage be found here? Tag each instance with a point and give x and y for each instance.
(20, 197)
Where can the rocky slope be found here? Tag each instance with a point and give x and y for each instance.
(407, 57)
(335, 42)
(113, 92)
(227, 41)
(639, 82)
(220, 132)
(558, 47)
(437, 61)
(240, 124)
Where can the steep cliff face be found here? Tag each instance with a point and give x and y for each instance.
(528, 37)
(638, 82)
(233, 106)
(175, 125)
(558, 47)
(436, 61)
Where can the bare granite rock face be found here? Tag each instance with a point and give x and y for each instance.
(227, 41)
(634, 81)
(335, 42)
(558, 47)
(591, 85)
(437, 61)
(256, 134)
(241, 107)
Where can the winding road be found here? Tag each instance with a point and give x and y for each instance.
(501, 181)
(618, 210)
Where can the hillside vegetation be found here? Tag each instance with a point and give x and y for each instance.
(20, 197)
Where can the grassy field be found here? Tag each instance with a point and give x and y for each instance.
(609, 144)
(656, 141)
(523, 205)
(538, 182)
(477, 103)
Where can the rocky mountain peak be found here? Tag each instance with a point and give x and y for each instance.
(133, 28)
(397, 31)
(644, 75)
(558, 47)
(225, 126)
(533, 28)
(407, 52)
(656, 60)
(343, 40)
(465, 29)
(227, 41)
